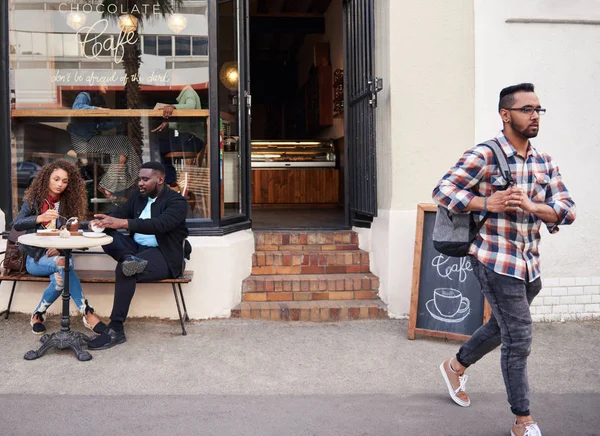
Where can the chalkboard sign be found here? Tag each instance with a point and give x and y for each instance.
(446, 297)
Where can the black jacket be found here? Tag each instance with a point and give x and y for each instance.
(25, 221)
(168, 213)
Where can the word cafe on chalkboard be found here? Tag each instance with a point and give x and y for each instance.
(446, 299)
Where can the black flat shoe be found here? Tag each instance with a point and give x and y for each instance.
(37, 326)
(108, 339)
(133, 265)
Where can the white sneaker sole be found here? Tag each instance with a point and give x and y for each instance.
(512, 433)
(451, 390)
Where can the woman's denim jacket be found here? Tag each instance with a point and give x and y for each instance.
(85, 129)
(26, 221)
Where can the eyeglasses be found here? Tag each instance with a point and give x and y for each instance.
(527, 110)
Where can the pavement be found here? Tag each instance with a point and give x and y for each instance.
(242, 377)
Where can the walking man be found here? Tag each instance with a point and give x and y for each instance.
(506, 259)
(154, 249)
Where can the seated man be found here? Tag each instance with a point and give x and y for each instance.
(154, 249)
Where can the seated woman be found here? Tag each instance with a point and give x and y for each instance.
(87, 137)
(58, 187)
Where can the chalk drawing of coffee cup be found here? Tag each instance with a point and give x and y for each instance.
(450, 302)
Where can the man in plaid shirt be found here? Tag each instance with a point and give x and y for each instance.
(506, 259)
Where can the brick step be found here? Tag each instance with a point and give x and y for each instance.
(322, 311)
(306, 241)
(311, 283)
(290, 262)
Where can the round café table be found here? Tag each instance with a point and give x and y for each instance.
(65, 338)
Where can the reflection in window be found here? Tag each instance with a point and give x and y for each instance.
(24, 43)
(55, 44)
(165, 46)
(182, 46)
(150, 45)
(199, 46)
(39, 44)
(54, 72)
(96, 44)
(70, 45)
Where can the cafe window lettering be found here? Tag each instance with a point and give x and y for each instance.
(90, 85)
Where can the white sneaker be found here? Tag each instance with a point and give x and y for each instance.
(456, 384)
(528, 428)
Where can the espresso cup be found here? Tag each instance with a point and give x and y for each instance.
(450, 302)
(95, 229)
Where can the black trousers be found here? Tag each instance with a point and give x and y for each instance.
(157, 269)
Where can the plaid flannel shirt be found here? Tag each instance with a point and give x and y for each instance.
(508, 242)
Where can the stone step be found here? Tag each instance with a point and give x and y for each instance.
(290, 262)
(311, 283)
(320, 311)
(305, 241)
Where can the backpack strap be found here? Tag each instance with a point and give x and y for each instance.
(502, 161)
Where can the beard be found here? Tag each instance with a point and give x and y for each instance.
(151, 194)
(527, 132)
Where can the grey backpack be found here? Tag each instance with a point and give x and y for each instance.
(454, 233)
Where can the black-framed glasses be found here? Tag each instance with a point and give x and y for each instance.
(527, 110)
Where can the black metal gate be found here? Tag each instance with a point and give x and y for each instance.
(360, 88)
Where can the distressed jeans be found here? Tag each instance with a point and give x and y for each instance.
(47, 267)
(509, 325)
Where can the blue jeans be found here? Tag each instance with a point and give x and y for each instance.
(509, 325)
(47, 267)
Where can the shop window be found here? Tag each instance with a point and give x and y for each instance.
(199, 46)
(24, 43)
(182, 46)
(55, 44)
(95, 45)
(150, 45)
(60, 78)
(165, 46)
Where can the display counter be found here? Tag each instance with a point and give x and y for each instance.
(294, 173)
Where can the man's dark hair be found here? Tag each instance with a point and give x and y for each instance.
(507, 95)
(156, 166)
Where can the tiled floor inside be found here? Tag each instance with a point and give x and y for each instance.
(297, 218)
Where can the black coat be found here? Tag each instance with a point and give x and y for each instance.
(168, 213)
(25, 221)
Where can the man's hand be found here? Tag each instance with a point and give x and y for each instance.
(510, 200)
(161, 127)
(109, 222)
(168, 111)
(103, 109)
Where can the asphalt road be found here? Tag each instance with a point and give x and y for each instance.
(235, 377)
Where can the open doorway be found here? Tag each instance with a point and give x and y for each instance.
(297, 130)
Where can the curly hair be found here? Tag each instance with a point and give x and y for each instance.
(73, 200)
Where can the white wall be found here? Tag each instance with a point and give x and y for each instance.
(563, 61)
(219, 264)
(425, 120)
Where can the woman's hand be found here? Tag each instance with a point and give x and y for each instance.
(102, 109)
(161, 127)
(51, 252)
(49, 215)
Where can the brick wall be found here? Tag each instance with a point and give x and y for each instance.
(565, 299)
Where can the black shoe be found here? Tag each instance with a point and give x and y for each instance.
(109, 338)
(133, 265)
(38, 327)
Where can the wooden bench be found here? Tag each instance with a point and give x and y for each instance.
(92, 276)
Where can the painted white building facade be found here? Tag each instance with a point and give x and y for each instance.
(443, 64)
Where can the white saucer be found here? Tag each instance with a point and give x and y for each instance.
(458, 317)
(93, 235)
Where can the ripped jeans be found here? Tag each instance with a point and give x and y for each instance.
(47, 267)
